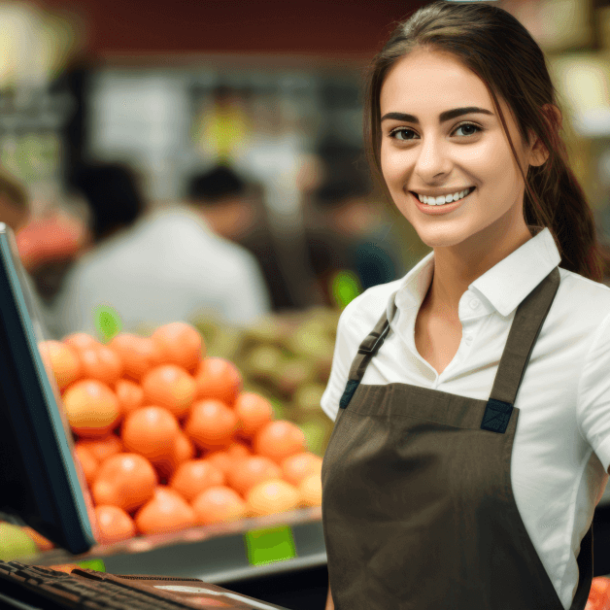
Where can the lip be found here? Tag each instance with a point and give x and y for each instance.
(438, 210)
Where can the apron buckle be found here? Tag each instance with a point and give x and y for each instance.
(373, 342)
(497, 415)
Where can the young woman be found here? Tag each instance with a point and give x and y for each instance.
(472, 396)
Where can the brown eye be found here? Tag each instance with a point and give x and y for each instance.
(402, 134)
(469, 129)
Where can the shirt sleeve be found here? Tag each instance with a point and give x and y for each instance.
(346, 347)
(593, 406)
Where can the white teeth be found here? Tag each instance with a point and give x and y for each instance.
(445, 199)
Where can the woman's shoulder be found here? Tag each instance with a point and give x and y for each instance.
(581, 304)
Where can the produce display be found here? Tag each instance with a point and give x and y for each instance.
(287, 359)
(168, 438)
(599, 596)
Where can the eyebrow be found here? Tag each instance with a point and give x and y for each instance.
(444, 116)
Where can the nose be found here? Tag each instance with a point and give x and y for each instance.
(432, 160)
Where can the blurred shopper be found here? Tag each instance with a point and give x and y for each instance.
(354, 234)
(234, 209)
(156, 267)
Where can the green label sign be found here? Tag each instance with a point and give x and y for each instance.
(270, 545)
(107, 322)
(93, 564)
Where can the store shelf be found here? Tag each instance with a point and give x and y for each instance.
(215, 554)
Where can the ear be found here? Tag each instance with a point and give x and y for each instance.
(539, 153)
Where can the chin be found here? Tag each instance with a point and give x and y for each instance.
(442, 239)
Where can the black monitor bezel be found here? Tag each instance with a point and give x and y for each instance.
(44, 488)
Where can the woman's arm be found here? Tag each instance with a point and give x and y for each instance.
(329, 601)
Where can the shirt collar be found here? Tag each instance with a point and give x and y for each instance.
(504, 286)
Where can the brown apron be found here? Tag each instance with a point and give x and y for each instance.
(418, 508)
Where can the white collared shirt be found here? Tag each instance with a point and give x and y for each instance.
(561, 452)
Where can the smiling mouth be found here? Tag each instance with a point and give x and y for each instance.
(451, 198)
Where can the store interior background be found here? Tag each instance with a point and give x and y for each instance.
(273, 90)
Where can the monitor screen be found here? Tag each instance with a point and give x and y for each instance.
(40, 484)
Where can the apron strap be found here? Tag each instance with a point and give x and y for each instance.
(368, 348)
(524, 331)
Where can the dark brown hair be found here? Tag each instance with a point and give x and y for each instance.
(502, 53)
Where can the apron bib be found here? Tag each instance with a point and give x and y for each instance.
(417, 504)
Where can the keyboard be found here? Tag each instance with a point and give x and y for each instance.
(32, 587)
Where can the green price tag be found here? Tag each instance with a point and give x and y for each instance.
(270, 545)
(107, 322)
(93, 564)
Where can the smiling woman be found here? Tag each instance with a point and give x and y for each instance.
(471, 397)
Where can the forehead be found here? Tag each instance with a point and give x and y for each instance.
(431, 81)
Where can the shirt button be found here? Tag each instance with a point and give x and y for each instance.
(474, 304)
(468, 339)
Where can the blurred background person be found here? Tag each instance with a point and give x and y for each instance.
(153, 267)
(234, 209)
(353, 235)
(349, 225)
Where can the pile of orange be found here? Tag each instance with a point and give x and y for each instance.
(168, 439)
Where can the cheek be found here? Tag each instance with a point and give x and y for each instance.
(394, 167)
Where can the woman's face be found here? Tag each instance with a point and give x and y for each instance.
(440, 135)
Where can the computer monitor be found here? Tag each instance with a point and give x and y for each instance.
(40, 485)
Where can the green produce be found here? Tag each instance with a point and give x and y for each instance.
(15, 543)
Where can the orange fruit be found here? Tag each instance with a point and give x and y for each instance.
(218, 504)
(182, 450)
(253, 412)
(166, 512)
(219, 379)
(210, 424)
(102, 448)
(92, 408)
(102, 363)
(126, 480)
(139, 354)
(130, 395)
(279, 440)
(63, 360)
(221, 459)
(87, 460)
(43, 544)
(151, 432)
(181, 344)
(193, 476)
(238, 450)
(113, 524)
(273, 496)
(299, 466)
(169, 386)
(248, 472)
(80, 341)
(310, 491)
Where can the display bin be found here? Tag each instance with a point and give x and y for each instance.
(282, 557)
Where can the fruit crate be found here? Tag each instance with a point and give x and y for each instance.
(228, 552)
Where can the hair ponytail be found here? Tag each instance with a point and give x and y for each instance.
(555, 199)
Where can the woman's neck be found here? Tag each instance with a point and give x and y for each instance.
(456, 267)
